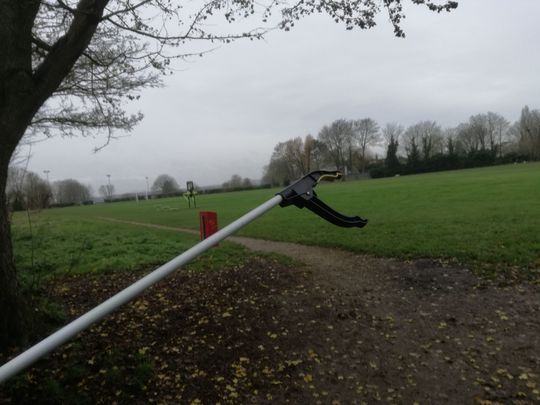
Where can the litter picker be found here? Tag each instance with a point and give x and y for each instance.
(300, 194)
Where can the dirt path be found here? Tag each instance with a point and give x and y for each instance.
(343, 328)
(432, 328)
(331, 264)
(419, 331)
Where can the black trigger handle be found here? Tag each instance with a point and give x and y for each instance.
(324, 211)
(301, 194)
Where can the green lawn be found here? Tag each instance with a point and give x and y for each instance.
(488, 215)
(57, 244)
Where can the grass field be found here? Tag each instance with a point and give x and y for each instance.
(204, 334)
(487, 215)
(50, 245)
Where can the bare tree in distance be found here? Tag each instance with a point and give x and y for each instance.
(427, 136)
(478, 128)
(165, 184)
(292, 159)
(309, 147)
(15, 188)
(466, 138)
(484, 133)
(247, 183)
(107, 191)
(294, 153)
(279, 172)
(498, 132)
(366, 133)
(299, 152)
(70, 191)
(391, 133)
(319, 155)
(527, 130)
(337, 138)
(234, 183)
(299, 155)
(37, 192)
(27, 190)
(411, 142)
(452, 147)
(69, 66)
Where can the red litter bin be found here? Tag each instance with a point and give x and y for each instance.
(208, 223)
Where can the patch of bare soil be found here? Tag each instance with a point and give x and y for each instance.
(344, 328)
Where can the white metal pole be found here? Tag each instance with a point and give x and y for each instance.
(50, 343)
(109, 187)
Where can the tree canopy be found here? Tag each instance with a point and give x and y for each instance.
(484, 139)
(77, 62)
(165, 184)
(71, 191)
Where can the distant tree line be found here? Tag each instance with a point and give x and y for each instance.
(347, 145)
(106, 191)
(26, 190)
(236, 183)
(344, 145)
(165, 184)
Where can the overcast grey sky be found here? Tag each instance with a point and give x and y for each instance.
(222, 114)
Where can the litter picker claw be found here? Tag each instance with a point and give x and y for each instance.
(300, 194)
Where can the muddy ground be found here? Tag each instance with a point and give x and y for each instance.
(343, 328)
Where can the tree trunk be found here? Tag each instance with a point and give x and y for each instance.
(13, 314)
(16, 85)
(363, 148)
(23, 90)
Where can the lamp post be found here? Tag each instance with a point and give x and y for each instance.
(146, 187)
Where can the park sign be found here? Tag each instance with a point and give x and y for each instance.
(190, 194)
